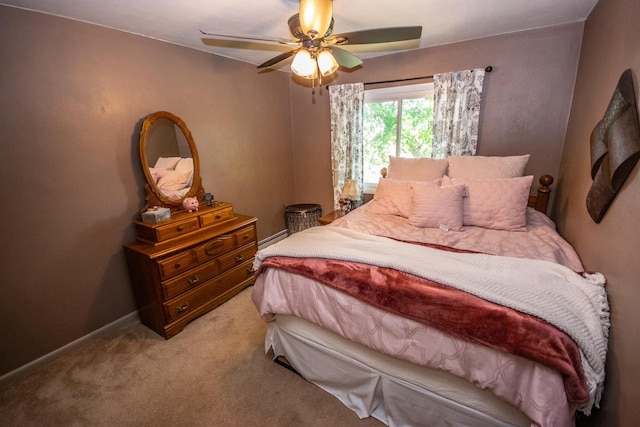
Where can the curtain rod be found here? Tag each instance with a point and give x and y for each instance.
(488, 69)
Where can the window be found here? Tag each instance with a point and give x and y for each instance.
(397, 121)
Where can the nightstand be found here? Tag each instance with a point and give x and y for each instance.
(330, 217)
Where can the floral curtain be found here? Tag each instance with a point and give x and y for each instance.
(456, 112)
(346, 102)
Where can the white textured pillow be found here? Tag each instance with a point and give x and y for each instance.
(495, 203)
(422, 169)
(482, 167)
(168, 163)
(433, 206)
(392, 197)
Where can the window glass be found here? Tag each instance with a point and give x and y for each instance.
(398, 121)
(417, 127)
(379, 137)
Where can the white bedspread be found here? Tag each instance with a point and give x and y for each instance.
(541, 288)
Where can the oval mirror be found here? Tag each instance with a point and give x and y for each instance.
(169, 160)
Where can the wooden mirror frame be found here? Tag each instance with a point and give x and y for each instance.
(154, 196)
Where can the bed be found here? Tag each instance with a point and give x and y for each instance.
(446, 300)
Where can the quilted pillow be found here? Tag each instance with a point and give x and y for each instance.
(495, 203)
(487, 167)
(433, 206)
(422, 169)
(392, 197)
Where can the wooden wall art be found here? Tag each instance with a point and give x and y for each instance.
(615, 148)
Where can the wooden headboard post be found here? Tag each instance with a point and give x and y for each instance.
(540, 201)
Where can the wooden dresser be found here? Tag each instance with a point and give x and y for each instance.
(190, 264)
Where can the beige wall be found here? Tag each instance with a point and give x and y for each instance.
(526, 103)
(611, 44)
(73, 97)
(72, 100)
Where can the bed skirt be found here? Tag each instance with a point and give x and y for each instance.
(393, 391)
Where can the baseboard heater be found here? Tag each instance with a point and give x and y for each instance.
(272, 239)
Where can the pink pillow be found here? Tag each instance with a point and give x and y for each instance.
(422, 169)
(157, 173)
(433, 206)
(495, 203)
(172, 180)
(185, 164)
(392, 197)
(167, 162)
(480, 167)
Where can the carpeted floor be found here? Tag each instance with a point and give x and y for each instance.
(214, 373)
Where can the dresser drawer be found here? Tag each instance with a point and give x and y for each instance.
(180, 278)
(175, 229)
(236, 257)
(217, 216)
(214, 247)
(245, 236)
(190, 279)
(176, 264)
(192, 300)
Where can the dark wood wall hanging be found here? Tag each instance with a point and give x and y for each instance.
(615, 147)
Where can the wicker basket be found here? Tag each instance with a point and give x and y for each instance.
(301, 217)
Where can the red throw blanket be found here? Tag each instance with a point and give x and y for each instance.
(450, 310)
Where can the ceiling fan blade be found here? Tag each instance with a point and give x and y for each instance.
(345, 59)
(254, 38)
(278, 58)
(379, 35)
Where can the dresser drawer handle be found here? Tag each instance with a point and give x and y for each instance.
(182, 307)
(218, 216)
(180, 228)
(193, 279)
(214, 247)
(245, 237)
(239, 258)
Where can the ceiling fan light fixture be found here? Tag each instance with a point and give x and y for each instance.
(317, 52)
(315, 16)
(327, 63)
(304, 65)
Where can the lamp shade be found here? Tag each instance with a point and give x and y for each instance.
(327, 63)
(350, 190)
(315, 16)
(304, 65)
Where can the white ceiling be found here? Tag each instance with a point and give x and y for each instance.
(443, 22)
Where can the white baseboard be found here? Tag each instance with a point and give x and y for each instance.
(129, 318)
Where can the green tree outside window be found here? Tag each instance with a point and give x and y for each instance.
(383, 138)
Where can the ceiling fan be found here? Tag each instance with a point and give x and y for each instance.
(316, 53)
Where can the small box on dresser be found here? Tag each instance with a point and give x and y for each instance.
(184, 268)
